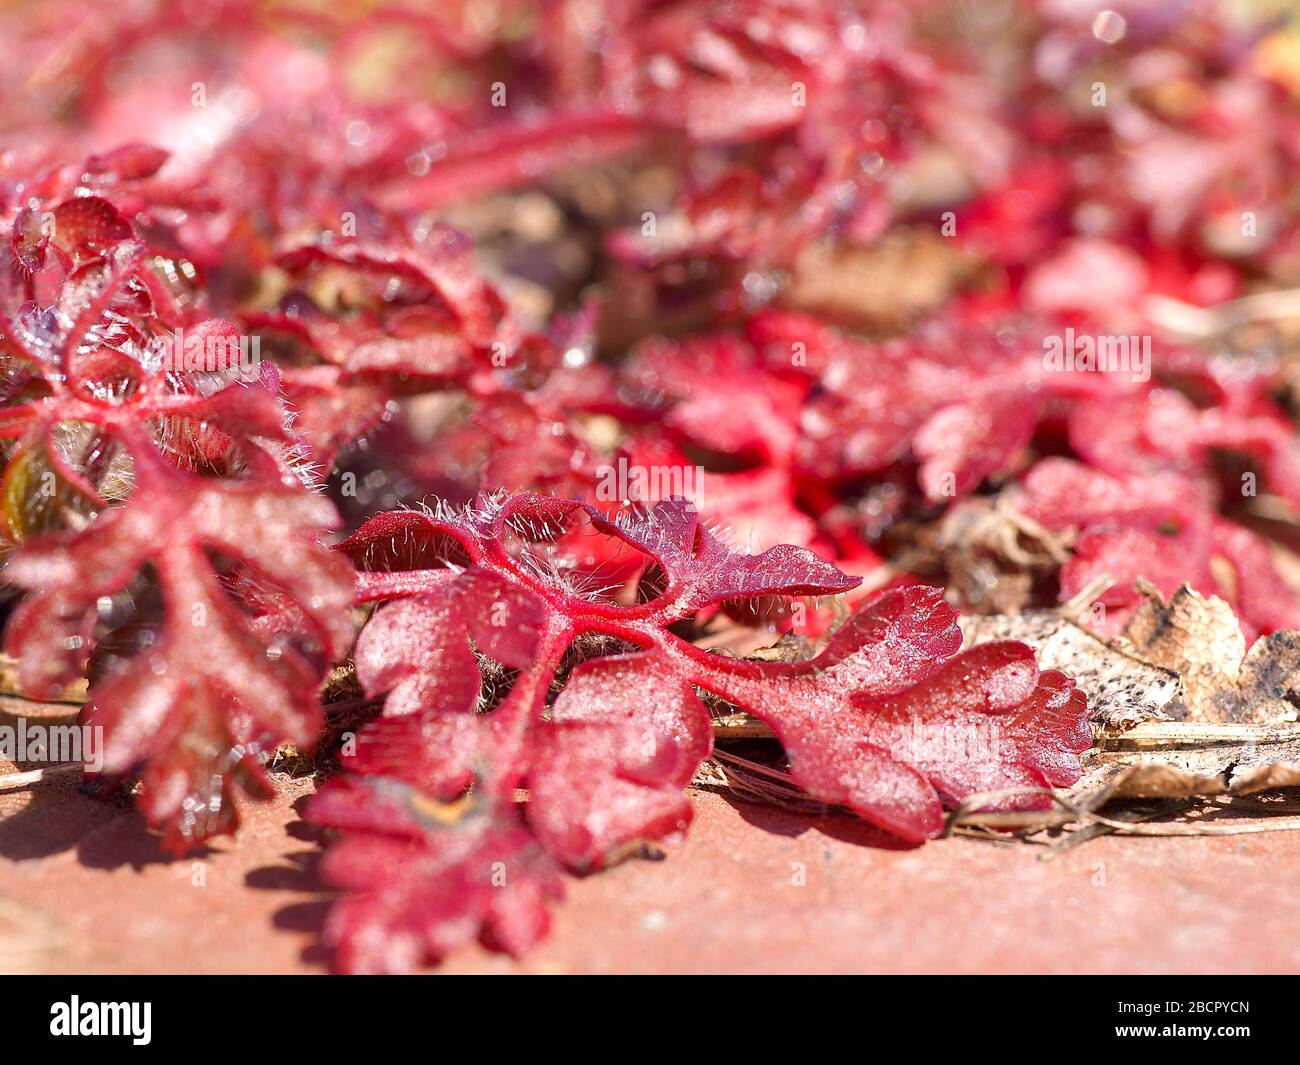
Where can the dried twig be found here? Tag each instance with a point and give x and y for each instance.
(1196, 734)
(1205, 323)
(12, 781)
(1096, 829)
(1071, 810)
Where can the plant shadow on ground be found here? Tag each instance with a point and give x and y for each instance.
(833, 821)
(63, 814)
(108, 833)
(299, 872)
(105, 833)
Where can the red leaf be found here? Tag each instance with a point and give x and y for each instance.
(83, 227)
(1160, 528)
(624, 738)
(199, 702)
(128, 162)
(963, 401)
(423, 882)
(885, 721)
(888, 719)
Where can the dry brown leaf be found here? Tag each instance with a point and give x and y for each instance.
(1184, 659)
(905, 274)
(981, 548)
(1199, 638)
(1181, 760)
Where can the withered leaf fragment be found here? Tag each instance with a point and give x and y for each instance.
(1199, 638)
